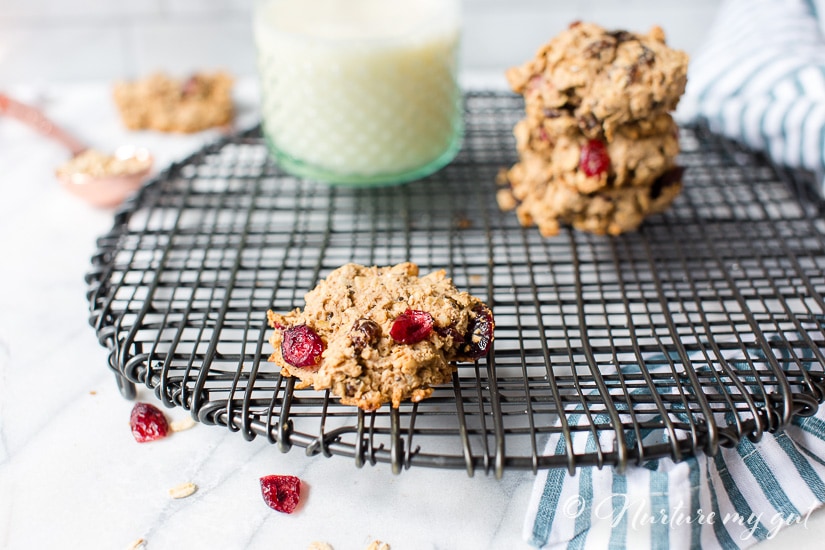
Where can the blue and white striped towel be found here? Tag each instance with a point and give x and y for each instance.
(730, 501)
(760, 79)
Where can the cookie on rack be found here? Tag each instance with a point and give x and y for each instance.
(635, 156)
(543, 201)
(160, 102)
(597, 146)
(375, 335)
(600, 79)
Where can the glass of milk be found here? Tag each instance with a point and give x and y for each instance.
(360, 92)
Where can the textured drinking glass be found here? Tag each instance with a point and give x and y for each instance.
(360, 92)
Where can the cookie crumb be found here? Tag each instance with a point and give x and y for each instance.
(501, 177)
(463, 222)
(506, 200)
(378, 545)
(182, 424)
(138, 545)
(319, 546)
(183, 490)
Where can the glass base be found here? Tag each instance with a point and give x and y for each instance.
(299, 168)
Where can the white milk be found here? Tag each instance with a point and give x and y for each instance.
(360, 91)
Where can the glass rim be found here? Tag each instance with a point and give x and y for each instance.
(452, 11)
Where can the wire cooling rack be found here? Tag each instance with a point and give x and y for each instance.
(702, 328)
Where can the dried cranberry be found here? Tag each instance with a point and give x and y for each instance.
(281, 493)
(621, 36)
(671, 177)
(148, 423)
(594, 49)
(302, 347)
(534, 83)
(449, 332)
(190, 87)
(411, 326)
(594, 160)
(479, 332)
(364, 332)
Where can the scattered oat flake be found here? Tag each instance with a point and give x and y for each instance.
(320, 546)
(183, 490)
(92, 392)
(182, 424)
(139, 544)
(378, 545)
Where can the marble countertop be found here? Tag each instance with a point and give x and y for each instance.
(72, 476)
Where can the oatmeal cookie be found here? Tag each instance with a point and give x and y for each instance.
(543, 201)
(374, 335)
(159, 102)
(556, 122)
(603, 79)
(590, 164)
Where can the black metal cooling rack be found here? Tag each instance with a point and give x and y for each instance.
(704, 327)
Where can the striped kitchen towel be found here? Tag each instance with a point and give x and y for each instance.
(760, 79)
(732, 500)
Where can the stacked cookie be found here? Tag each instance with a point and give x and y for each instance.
(597, 146)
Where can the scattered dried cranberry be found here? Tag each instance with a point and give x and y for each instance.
(411, 326)
(148, 423)
(594, 160)
(479, 333)
(302, 347)
(190, 87)
(281, 493)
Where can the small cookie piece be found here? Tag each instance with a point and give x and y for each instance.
(627, 160)
(375, 335)
(545, 202)
(159, 102)
(603, 79)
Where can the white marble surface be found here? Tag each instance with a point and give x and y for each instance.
(71, 476)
